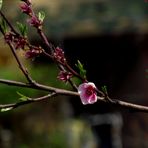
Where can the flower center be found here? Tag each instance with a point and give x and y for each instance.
(90, 90)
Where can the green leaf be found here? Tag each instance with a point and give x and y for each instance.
(81, 69)
(41, 16)
(22, 28)
(6, 109)
(104, 89)
(22, 97)
(1, 2)
(3, 25)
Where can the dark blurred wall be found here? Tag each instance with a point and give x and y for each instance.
(108, 59)
(111, 60)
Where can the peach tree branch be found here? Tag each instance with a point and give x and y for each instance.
(13, 50)
(87, 91)
(56, 91)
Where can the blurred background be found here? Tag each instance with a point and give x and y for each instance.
(110, 38)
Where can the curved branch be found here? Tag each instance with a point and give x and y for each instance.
(56, 91)
(28, 101)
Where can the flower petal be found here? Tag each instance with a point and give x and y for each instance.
(92, 99)
(91, 84)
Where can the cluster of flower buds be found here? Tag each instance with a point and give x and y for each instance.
(18, 41)
(59, 55)
(33, 52)
(26, 8)
(86, 90)
(9, 37)
(64, 76)
(34, 21)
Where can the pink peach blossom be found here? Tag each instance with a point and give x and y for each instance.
(87, 93)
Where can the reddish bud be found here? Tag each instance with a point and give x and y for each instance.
(64, 76)
(19, 42)
(25, 8)
(33, 53)
(34, 21)
(27, 1)
(59, 55)
(8, 37)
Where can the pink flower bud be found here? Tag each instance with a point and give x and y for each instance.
(27, 1)
(32, 53)
(87, 93)
(9, 37)
(64, 76)
(25, 8)
(34, 21)
(19, 42)
(59, 55)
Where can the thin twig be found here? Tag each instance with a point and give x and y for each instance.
(44, 38)
(28, 101)
(21, 66)
(131, 106)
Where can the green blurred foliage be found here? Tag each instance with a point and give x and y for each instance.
(44, 74)
(39, 124)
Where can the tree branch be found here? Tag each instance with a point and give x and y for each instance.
(52, 90)
(21, 66)
(13, 50)
(56, 91)
(38, 86)
(130, 106)
(44, 38)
